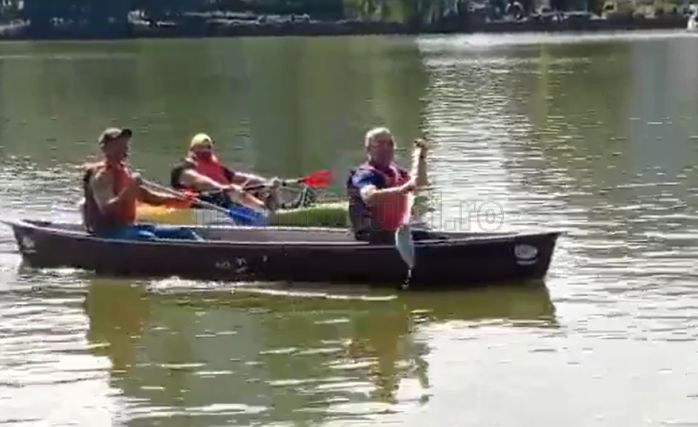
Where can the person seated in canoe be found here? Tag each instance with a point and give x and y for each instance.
(203, 174)
(378, 189)
(112, 191)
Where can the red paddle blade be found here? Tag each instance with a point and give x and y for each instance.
(321, 178)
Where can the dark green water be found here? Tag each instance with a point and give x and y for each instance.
(592, 135)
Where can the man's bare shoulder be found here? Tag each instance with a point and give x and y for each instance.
(100, 177)
(93, 168)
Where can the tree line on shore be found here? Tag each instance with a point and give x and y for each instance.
(327, 9)
(95, 15)
(113, 11)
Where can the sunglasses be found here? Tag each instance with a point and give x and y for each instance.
(382, 143)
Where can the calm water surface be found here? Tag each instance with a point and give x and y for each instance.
(596, 136)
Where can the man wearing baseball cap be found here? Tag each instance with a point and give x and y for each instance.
(112, 192)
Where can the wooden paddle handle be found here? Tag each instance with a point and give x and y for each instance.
(418, 152)
(416, 155)
(416, 158)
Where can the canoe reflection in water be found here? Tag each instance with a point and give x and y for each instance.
(281, 357)
(118, 314)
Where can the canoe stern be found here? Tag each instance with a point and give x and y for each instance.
(513, 257)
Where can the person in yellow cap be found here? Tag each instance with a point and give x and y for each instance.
(201, 172)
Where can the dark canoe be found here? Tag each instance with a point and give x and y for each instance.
(305, 254)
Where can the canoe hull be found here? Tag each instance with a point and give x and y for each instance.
(327, 256)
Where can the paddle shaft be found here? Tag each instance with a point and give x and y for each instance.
(260, 186)
(403, 235)
(315, 179)
(410, 196)
(184, 197)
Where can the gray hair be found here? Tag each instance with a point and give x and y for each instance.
(372, 134)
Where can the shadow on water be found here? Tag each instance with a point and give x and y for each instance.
(253, 356)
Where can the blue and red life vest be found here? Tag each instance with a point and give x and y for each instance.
(386, 216)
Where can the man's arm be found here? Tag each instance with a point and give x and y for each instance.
(155, 198)
(192, 178)
(243, 197)
(367, 182)
(244, 179)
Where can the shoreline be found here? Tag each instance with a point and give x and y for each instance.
(204, 28)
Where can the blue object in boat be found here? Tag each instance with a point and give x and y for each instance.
(244, 215)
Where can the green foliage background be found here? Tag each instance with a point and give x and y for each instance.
(114, 11)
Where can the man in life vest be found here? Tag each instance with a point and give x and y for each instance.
(112, 192)
(378, 190)
(201, 172)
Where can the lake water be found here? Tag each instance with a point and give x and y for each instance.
(596, 136)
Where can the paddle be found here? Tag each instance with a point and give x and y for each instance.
(230, 213)
(321, 178)
(242, 213)
(403, 235)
